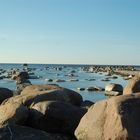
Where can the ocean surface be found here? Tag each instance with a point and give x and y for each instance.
(44, 72)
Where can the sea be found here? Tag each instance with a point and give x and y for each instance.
(81, 79)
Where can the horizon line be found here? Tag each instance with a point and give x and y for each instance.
(69, 64)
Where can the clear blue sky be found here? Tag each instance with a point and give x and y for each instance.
(70, 31)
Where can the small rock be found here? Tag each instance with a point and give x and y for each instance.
(81, 89)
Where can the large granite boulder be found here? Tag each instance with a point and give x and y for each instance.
(15, 132)
(117, 118)
(56, 92)
(55, 116)
(13, 114)
(133, 86)
(5, 93)
(40, 94)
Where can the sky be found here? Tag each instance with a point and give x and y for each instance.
(70, 31)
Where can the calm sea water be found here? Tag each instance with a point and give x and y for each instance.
(52, 73)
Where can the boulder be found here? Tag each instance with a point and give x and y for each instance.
(55, 116)
(56, 93)
(5, 93)
(114, 87)
(15, 132)
(117, 118)
(13, 114)
(133, 86)
(34, 94)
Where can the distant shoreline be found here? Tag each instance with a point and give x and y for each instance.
(71, 64)
(126, 72)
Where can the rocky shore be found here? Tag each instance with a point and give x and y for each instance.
(51, 112)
